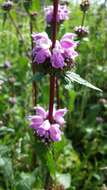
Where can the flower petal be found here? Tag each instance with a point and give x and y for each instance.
(55, 132)
(40, 111)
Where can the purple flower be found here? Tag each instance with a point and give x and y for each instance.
(55, 132)
(42, 126)
(40, 111)
(57, 59)
(49, 14)
(58, 116)
(63, 13)
(39, 36)
(63, 50)
(70, 36)
(41, 55)
(41, 50)
(43, 129)
(68, 45)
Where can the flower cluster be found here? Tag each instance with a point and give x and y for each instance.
(62, 15)
(84, 6)
(62, 55)
(81, 31)
(43, 128)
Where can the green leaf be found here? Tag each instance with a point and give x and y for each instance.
(6, 169)
(4, 150)
(36, 6)
(27, 5)
(73, 77)
(26, 181)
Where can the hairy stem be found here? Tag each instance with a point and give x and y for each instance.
(57, 94)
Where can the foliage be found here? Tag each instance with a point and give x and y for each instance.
(80, 159)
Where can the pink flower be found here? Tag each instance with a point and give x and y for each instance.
(57, 59)
(63, 14)
(70, 36)
(42, 126)
(39, 36)
(55, 132)
(40, 111)
(58, 116)
(68, 45)
(43, 129)
(41, 55)
(42, 49)
(65, 49)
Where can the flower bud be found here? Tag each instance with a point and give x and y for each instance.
(7, 65)
(81, 31)
(84, 6)
(7, 6)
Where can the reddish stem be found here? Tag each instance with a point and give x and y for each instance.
(57, 94)
(52, 78)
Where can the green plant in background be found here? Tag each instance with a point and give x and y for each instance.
(85, 151)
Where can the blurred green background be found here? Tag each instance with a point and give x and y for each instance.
(81, 157)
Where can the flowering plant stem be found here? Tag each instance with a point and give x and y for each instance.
(83, 18)
(52, 78)
(57, 94)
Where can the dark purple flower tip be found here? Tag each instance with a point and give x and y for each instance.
(7, 65)
(84, 6)
(81, 31)
(7, 6)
